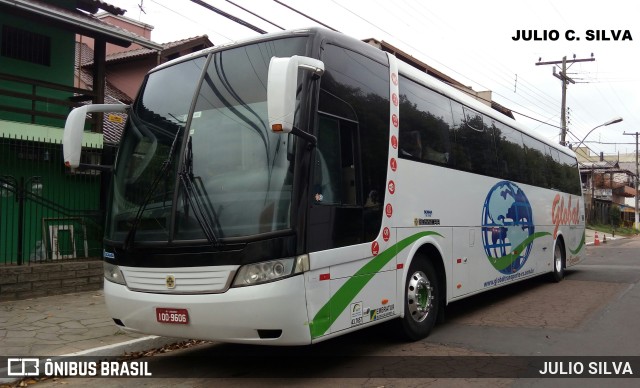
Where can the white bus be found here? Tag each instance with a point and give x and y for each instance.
(302, 185)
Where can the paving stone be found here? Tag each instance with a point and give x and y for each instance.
(88, 322)
(72, 325)
(13, 334)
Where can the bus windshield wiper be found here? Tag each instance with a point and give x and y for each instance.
(128, 241)
(204, 214)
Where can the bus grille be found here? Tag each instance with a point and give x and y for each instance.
(189, 280)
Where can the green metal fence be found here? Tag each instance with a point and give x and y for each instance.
(47, 212)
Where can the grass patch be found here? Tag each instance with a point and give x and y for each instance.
(618, 231)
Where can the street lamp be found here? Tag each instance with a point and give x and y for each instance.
(612, 121)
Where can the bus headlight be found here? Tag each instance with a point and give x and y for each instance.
(113, 274)
(267, 271)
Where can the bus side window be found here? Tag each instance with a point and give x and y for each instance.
(510, 152)
(474, 142)
(426, 124)
(535, 162)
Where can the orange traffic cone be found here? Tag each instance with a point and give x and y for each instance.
(596, 240)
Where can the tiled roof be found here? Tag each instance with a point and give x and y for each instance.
(83, 23)
(113, 125)
(605, 164)
(92, 6)
(84, 54)
(129, 54)
(141, 52)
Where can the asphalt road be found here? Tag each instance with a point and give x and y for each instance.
(595, 311)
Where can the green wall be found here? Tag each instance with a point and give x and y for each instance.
(61, 71)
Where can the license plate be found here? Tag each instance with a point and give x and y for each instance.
(171, 315)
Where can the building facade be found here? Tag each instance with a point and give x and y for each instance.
(47, 212)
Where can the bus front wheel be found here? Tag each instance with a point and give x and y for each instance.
(422, 299)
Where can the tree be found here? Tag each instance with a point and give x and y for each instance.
(614, 216)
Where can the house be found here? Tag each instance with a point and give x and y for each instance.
(607, 181)
(48, 213)
(127, 67)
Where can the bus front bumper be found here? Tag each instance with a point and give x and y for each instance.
(271, 314)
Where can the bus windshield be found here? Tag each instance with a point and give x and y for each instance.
(217, 174)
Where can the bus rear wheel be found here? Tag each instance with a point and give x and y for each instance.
(558, 262)
(422, 300)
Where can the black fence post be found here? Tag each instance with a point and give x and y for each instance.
(20, 199)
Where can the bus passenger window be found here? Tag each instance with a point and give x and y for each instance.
(426, 124)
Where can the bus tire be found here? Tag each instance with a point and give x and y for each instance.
(558, 262)
(421, 299)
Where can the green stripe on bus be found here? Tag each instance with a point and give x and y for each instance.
(506, 260)
(575, 252)
(327, 315)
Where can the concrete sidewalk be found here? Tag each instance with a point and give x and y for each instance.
(66, 324)
(590, 235)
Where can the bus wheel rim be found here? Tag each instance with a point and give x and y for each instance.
(557, 259)
(419, 296)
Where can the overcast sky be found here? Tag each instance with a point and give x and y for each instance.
(472, 42)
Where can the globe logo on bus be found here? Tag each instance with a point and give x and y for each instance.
(507, 223)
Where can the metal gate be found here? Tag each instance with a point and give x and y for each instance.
(47, 212)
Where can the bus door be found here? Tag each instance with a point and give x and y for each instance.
(347, 193)
(337, 237)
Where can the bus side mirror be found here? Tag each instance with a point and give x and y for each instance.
(281, 89)
(74, 129)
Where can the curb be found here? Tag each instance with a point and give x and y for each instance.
(131, 346)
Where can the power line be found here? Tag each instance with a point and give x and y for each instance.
(531, 91)
(254, 14)
(191, 20)
(445, 66)
(229, 16)
(307, 16)
(609, 143)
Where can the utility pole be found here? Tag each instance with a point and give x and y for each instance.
(565, 81)
(637, 220)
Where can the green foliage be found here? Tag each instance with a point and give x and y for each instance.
(614, 216)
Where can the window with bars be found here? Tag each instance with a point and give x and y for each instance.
(25, 45)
